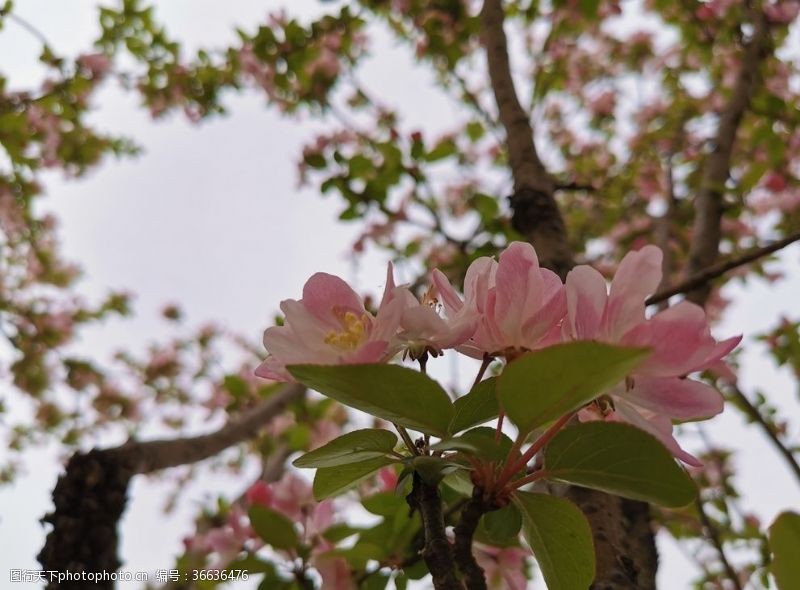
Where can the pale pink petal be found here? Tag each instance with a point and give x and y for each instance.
(387, 320)
(637, 277)
(659, 427)
(718, 352)
(323, 292)
(451, 300)
(679, 337)
(519, 290)
(389, 289)
(479, 279)
(587, 296)
(371, 352)
(681, 399)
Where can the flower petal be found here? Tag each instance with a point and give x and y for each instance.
(587, 296)
(682, 399)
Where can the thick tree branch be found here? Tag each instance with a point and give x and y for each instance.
(706, 232)
(624, 543)
(701, 279)
(536, 214)
(90, 496)
(437, 552)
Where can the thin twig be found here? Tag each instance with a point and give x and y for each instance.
(753, 413)
(713, 535)
(721, 268)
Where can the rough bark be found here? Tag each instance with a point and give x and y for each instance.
(437, 552)
(90, 497)
(536, 214)
(474, 577)
(623, 537)
(709, 204)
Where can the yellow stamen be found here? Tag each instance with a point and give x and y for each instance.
(353, 334)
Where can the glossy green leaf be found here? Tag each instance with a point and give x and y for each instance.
(273, 528)
(560, 538)
(397, 394)
(620, 459)
(784, 541)
(352, 447)
(478, 406)
(542, 386)
(332, 481)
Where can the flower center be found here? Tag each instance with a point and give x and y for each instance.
(354, 330)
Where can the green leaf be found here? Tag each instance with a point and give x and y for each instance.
(384, 504)
(398, 394)
(784, 541)
(332, 481)
(560, 538)
(619, 459)
(542, 386)
(273, 528)
(353, 447)
(433, 469)
(479, 441)
(501, 527)
(478, 406)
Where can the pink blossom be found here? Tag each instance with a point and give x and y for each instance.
(679, 337)
(259, 494)
(97, 64)
(422, 329)
(519, 304)
(782, 12)
(329, 326)
(387, 477)
(504, 567)
(335, 573)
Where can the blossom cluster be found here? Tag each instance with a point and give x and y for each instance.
(510, 306)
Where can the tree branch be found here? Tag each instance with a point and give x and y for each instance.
(536, 214)
(624, 543)
(712, 534)
(706, 232)
(437, 553)
(476, 507)
(752, 412)
(90, 496)
(698, 281)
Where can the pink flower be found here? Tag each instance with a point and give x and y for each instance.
(329, 326)
(504, 567)
(519, 305)
(422, 329)
(335, 573)
(259, 494)
(679, 337)
(97, 64)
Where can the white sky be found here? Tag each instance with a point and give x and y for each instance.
(211, 217)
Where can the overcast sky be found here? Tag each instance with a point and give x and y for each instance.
(211, 216)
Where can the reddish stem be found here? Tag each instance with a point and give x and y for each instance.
(530, 478)
(500, 418)
(513, 466)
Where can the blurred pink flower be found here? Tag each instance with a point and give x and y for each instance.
(504, 567)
